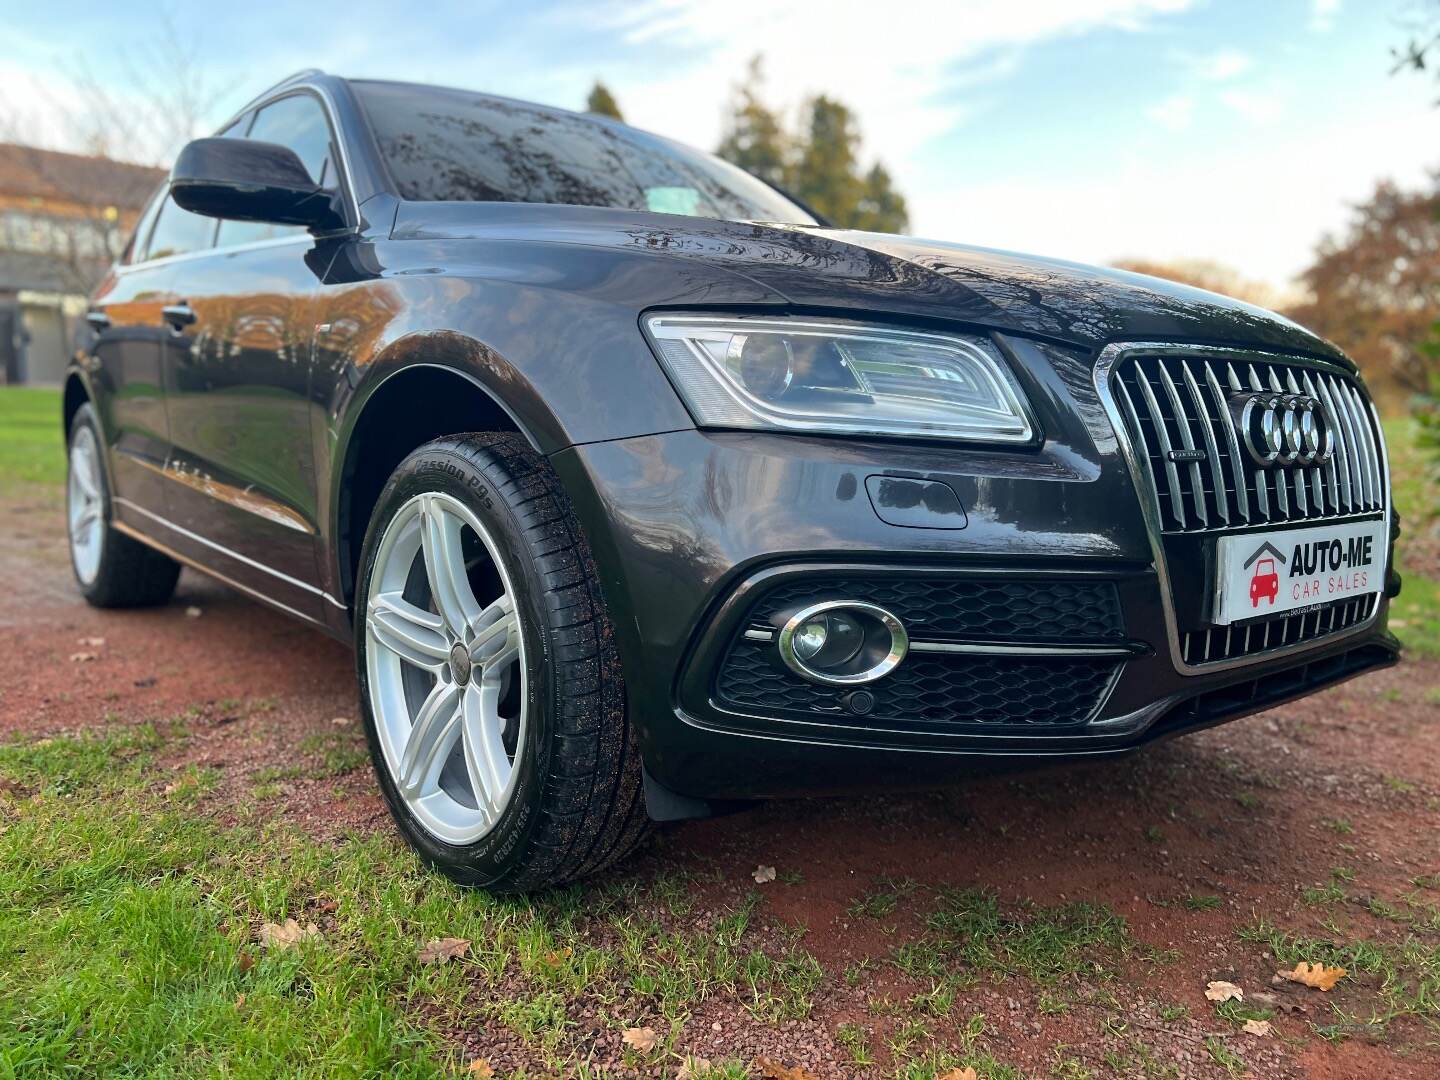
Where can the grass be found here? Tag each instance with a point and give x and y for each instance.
(32, 446)
(128, 940)
(1415, 613)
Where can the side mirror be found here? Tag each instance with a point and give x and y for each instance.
(244, 180)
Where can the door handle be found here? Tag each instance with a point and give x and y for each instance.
(178, 316)
(98, 320)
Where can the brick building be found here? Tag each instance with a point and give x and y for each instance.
(63, 219)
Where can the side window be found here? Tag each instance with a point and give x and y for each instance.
(142, 228)
(298, 122)
(178, 231)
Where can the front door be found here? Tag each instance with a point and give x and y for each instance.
(238, 377)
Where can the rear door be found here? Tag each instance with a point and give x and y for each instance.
(238, 379)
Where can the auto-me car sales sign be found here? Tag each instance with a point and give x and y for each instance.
(1269, 573)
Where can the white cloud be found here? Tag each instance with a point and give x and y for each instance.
(1223, 65)
(1258, 107)
(1322, 15)
(899, 74)
(1174, 112)
(1261, 210)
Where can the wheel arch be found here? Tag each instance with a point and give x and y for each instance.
(400, 409)
(76, 394)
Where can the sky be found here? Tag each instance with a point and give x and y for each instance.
(1237, 131)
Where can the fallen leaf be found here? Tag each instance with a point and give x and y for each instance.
(1260, 1028)
(763, 874)
(642, 1039)
(1223, 991)
(1316, 975)
(193, 612)
(481, 1068)
(172, 787)
(773, 1070)
(692, 1067)
(330, 906)
(967, 1073)
(443, 949)
(239, 1001)
(341, 721)
(555, 958)
(1276, 1002)
(83, 657)
(244, 962)
(91, 642)
(286, 935)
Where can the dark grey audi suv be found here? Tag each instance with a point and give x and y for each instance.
(643, 492)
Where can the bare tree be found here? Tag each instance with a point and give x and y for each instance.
(163, 96)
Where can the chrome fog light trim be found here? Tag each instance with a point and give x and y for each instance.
(885, 643)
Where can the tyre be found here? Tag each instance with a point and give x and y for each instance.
(113, 570)
(491, 691)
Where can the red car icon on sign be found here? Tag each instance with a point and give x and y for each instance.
(1265, 583)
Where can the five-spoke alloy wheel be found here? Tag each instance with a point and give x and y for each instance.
(489, 680)
(446, 664)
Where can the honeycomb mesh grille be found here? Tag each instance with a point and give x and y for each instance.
(938, 608)
(927, 691)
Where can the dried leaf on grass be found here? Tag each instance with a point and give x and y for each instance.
(1260, 1028)
(1278, 1003)
(481, 1068)
(443, 950)
(773, 1070)
(692, 1067)
(1316, 975)
(642, 1039)
(967, 1073)
(286, 935)
(762, 874)
(244, 962)
(1223, 991)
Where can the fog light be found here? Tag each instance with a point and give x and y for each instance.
(843, 642)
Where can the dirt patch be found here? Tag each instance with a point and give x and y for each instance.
(1318, 818)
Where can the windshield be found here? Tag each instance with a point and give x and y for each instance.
(455, 146)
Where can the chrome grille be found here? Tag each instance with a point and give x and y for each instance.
(1216, 643)
(1178, 403)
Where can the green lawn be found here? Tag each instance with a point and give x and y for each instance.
(32, 447)
(129, 924)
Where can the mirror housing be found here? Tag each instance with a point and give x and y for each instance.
(245, 180)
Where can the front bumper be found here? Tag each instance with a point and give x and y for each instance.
(689, 528)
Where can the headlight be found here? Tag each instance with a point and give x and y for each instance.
(794, 375)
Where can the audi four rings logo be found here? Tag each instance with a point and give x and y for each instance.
(1284, 429)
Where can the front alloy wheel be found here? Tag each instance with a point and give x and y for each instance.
(492, 694)
(446, 667)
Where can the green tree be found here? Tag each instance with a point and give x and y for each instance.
(825, 173)
(753, 137)
(820, 164)
(602, 103)
(882, 208)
